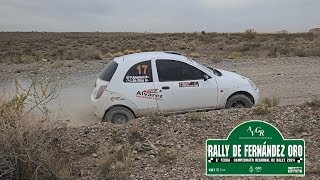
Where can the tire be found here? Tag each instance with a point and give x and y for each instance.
(239, 101)
(118, 115)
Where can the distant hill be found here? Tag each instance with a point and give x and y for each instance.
(282, 32)
(315, 30)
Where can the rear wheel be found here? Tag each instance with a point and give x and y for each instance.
(118, 115)
(239, 101)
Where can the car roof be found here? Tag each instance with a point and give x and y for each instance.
(152, 55)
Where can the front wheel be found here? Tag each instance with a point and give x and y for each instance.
(239, 101)
(118, 115)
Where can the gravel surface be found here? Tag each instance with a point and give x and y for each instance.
(142, 143)
(173, 147)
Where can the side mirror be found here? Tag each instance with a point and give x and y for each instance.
(205, 77)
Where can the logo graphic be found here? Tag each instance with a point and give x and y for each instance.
(150, 94)
(255, 148)
(251, 169)
(257, 130)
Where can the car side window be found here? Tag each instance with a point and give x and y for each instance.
(171, 70)
(139, 73)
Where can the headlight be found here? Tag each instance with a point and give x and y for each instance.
(252, 85)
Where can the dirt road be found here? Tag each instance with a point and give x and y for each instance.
(292, 80)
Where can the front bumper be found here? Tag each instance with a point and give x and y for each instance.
(256, 95)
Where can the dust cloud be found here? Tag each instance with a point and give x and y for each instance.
(72, 105)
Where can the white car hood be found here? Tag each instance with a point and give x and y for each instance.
(232, 77)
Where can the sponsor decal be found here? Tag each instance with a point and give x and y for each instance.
(137, 79)
(150, 94)
(189, 84)
(116, 99)
(255, 148)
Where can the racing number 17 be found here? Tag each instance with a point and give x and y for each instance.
(143, 68)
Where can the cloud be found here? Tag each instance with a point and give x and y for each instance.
(158, 16)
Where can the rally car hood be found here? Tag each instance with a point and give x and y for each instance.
(233, 76)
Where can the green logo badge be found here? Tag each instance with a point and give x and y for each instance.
(255, 148)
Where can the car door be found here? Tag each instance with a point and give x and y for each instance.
(138, 87)
(183, 87)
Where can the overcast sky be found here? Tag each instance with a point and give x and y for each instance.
(159, 15)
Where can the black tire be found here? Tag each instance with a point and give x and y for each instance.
(118, 115)
(239, 101)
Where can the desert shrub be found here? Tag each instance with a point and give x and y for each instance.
(300, 53)
(166, 157)
(194, 55)
(113, 169)
(216, 57)
(197, 116)
(315, 103)
(135, 134)
(235, 55)
(284, 51)
(30, 147)
(117, 54)
(244, 47)
(266, 105)
(129, 51)
(122, 153)
(273, 52)
(117, 165)
(156, 117)
(89, 54)
(298, 129)
(250, 34)
(116, 137)
(57, 64)
(313, 52)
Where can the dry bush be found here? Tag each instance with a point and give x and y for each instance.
(216, 57)
(135, 134)
(315, 103)
(29, 147)
(156, 117)
(194, 55)
(250, 34)
(166, 157)
(198, 116)
(118, 164)
(266, 105)
(235, 55)
(89, 54)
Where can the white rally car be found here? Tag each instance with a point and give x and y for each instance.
(134, 85)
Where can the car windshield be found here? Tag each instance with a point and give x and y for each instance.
(210, 69)
(205, 67)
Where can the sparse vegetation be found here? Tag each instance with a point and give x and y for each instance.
(117, 165)
(156, 117)
(266, 105)
(235, 55)
(28, 47)
(165, 156)
(250, 34)
(198, 116)
(30, 147)
(116, 137)
(135, 134)
(298, 129)
(315, 103)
